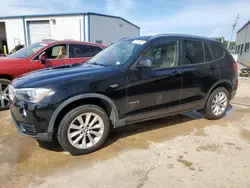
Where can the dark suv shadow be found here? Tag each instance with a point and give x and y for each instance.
(133, 129)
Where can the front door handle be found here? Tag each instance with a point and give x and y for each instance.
(176, 73)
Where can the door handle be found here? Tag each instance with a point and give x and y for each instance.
(212, 67)
(176, 73)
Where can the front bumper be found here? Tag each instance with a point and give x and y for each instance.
(39, 136)
(34, 122)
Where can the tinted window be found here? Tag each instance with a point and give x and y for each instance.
(217, 50)
(79, 50)
(194, 52)
(95, 50)
(207, 54)
(164, 55)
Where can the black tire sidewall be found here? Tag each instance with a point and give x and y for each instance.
(63, 129)
(208, 108)
(4, 81)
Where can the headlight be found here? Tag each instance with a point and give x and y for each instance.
(34, 95)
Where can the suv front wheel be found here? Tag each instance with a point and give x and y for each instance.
(217, 103)
(84, 129)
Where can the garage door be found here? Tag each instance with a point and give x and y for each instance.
(38, 30)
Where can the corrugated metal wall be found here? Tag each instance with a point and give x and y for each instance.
(14, 31)
(63, 27)
(110, 29)
(243, 37)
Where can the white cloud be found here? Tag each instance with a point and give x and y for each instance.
(208, 19)
(119, 7)
(23, 7)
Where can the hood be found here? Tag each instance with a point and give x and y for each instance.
(61, 75)
(7, 60)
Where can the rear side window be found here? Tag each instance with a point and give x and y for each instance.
(217, 50)
(79, 50)
(194, 52)
(95, 50)
(207, 53)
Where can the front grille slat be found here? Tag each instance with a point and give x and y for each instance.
(28, 129)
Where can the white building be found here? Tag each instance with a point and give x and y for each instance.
(89, 27)
(243, 44)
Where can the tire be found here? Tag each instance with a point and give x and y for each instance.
(208, 112)
(64, 130)
(4, 105)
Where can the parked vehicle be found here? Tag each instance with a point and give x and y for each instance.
(39, 55)
(132, 80)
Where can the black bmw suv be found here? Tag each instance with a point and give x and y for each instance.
(132, 80)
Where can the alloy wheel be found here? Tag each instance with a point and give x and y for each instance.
(4, 95)
(219, 103)
(85, 130)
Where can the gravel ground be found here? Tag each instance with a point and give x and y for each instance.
(179, 151)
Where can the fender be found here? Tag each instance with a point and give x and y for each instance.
(215, 84)
(114, 117)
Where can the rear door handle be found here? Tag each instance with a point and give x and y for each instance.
(176, 73)
(212, 67)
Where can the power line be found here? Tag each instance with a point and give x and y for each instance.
(235, 23)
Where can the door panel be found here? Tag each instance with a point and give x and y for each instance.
(199, 72)
(159, 86)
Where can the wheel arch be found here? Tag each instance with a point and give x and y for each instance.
(6, 76)
(113, 116)
(222, 83)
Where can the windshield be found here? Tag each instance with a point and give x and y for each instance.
(118, 53)
(28, 51)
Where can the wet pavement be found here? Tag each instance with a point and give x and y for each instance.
(178, 151)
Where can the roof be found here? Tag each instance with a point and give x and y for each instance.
(72, 42)
(174, 35)
(67, 14)
(243, 26)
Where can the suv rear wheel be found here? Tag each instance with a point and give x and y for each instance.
(217, 103)
(4, 94)
(84, 129)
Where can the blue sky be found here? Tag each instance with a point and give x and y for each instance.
(212, 18)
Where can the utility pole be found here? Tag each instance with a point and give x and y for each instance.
(235, 23)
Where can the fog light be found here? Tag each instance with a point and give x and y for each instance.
(22, 128)
(23, 112)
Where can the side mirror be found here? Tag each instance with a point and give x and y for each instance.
(42, 58)
(145, 62)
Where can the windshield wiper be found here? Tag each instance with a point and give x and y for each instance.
(104, 65)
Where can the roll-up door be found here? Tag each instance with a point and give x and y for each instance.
(38, 30)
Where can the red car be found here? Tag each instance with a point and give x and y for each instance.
(41, 55)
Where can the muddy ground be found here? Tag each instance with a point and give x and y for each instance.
(179, 151)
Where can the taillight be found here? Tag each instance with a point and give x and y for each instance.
(235, 67)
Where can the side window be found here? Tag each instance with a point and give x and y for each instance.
(79, 50)
(164, 55)
(55, 52)
(194, 52)
(217, 50)
(241, 49)
(207, 54)
(95, 50)
(247, 47)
